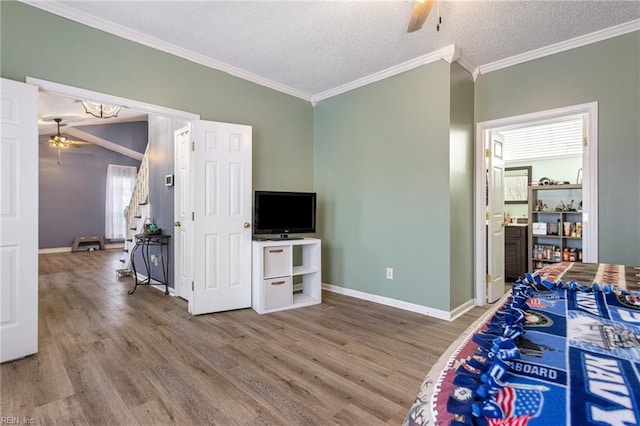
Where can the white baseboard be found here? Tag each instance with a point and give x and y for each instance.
(400, 304)
(68, 249)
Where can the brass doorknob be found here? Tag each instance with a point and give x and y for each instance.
(246, 225)
(178, 223)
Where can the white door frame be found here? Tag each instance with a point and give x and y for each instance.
(589, 173)
(78, 93)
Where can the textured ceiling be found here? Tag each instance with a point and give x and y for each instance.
(312, 46)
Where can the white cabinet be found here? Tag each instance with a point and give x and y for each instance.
(282, 278)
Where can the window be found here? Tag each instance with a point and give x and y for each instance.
(549, 139)
(120, 183)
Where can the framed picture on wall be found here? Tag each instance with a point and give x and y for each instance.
(516, 181)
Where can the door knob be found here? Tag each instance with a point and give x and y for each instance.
(178, 223)
(246, 225)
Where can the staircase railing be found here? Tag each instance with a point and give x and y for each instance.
(139, 198)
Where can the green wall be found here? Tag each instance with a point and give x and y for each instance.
(461, 186)
(38, 44)
(391, 162)
(607, 72)
(381, 162)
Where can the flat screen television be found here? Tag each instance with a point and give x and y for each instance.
(284, 213)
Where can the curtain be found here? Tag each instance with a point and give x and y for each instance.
(120, 183)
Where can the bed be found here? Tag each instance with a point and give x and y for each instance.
(563, 347)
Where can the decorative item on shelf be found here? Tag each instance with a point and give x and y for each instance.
(567, 229)
(539, 228)
(579, 229)
(552, 228)
(151, 228)
(541, 207)
(565, 254)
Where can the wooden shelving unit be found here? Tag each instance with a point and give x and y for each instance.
(550, 248)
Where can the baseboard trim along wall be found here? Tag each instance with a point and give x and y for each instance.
(400, 304)
(68, 249)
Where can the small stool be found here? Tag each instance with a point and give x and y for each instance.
(77, 241)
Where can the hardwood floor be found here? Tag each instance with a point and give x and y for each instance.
(106, 357)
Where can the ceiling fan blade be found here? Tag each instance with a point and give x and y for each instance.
(419, 15)
(78, 144)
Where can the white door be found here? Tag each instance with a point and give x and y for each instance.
(222, 202)
(182, 214)
(18, 220)
(496, 223)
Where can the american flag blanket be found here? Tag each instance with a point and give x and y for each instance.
(553, 353)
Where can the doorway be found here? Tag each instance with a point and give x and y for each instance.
(151, 111)
(484, 194)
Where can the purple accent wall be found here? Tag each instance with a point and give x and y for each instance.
(72, 195)
(129, 135)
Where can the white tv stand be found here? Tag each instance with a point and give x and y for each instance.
(272, 273)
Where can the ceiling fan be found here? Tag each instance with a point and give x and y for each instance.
(60, 142)
(420, 13)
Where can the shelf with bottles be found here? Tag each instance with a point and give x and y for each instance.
(555, 223)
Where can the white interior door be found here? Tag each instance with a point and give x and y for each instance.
(182, 214)
(18, 220)
(496, 223)
(222, 203)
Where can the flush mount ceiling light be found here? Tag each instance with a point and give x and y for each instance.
(101, 110)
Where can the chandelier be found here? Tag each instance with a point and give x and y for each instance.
(101, 110)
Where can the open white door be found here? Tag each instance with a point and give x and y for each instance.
(182, 214)
(18, 220)
(221, 216)
(496, 223)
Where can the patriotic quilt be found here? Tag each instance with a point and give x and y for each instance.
(552, 353)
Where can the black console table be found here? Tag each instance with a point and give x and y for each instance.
(145, 241)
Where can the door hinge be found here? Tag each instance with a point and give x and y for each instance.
(584, 141)
(487, 215)
(192, 286)
(487, 153)
(487, 278)
(193, 145)
(193, 216)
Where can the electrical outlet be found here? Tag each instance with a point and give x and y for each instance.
(389, 273)
(154, 259)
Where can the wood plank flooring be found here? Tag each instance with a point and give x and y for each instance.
(106, 357)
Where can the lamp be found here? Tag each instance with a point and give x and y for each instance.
(100, 110)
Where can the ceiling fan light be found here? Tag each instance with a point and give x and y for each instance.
(101, 110)
(58, 144)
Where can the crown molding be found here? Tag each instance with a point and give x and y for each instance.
(563, 46)
(467, 64)
(448, 54)
(155, 43)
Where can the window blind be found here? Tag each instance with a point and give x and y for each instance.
(557, 138)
